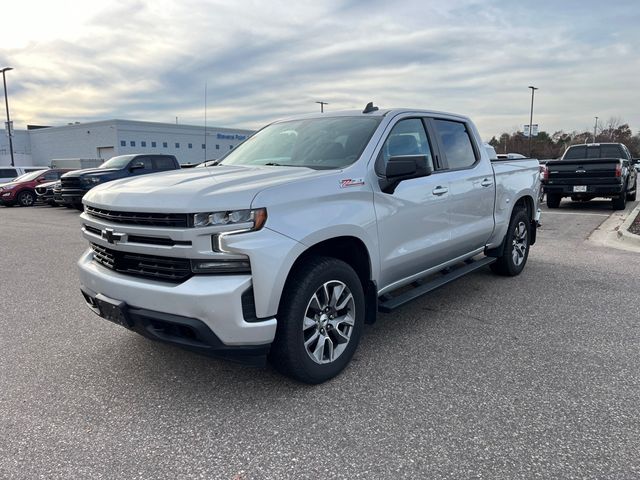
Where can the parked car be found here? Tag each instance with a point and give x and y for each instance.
(44, 191)
(22, 191)
(9, 174)
(593, 170)
(303, 233)
(79, 182)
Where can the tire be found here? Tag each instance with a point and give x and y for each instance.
(306, 319)
(78, 206)
(632, 196)
(516, 245)
(553, 200)
(619, 203)
(26, 198)
(52, 204)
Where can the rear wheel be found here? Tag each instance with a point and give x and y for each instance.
(553, 200)
(620, 202)
(631, 196)
(26, 199)
(516, 246)
(320, 321)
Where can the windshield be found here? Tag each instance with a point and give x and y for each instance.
(27, 177)
(117, 162)
(319, 143)
(593, 151)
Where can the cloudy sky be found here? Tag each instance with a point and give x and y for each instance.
(150, 59)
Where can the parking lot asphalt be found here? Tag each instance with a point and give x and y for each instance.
(536, 376)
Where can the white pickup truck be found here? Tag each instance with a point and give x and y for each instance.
(300, 235)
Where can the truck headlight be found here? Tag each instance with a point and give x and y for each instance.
(247, 220)
(91, 180)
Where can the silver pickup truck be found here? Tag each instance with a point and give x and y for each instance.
(299, 236)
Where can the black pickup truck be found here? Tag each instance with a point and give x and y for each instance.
(76, 184)
(591, 170)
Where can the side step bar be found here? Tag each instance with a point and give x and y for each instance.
(386, 303)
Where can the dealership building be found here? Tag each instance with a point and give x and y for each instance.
(39, 145)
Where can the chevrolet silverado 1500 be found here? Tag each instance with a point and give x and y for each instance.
(301, 234)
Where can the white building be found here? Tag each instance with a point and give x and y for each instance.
(105, 139)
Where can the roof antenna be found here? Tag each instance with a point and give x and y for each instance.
(369, 108)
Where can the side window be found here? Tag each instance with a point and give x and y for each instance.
(406, 138)
(455, 143)
(164, 163)
(8, 173)
(51, 176)
(146, 161)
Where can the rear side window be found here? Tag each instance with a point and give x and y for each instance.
(406, 138)
(164, 163)
(8, 173)
(455, 143)
(51, 176)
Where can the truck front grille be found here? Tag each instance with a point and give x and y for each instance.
(177, 220)
(72, 182)
(175, 270)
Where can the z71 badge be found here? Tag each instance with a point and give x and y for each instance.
(351, 182)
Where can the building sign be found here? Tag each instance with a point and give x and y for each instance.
(230, 136)
(534, 130)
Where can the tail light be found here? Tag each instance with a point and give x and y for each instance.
(544, 171)
(619, 170)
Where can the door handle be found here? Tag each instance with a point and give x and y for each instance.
(486, 182)
(440, 190)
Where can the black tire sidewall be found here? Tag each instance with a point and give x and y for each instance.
(518, 216)
(289, 344)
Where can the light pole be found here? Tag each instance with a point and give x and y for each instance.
(533, 89)
(6, 102)
(594, 130)
(322, 104)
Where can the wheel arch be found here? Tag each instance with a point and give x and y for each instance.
(351, 250)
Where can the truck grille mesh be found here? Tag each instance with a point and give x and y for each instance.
(168, 269)
(177, 220)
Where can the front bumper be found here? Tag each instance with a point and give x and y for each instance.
(214, 302)
(7, 196)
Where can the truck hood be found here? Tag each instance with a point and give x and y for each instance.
(194, 190)
(80, 173)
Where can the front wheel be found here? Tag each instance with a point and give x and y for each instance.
(516, 246)
(26, 199)
(320, 321)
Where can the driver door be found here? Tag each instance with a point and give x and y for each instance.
(413, 221)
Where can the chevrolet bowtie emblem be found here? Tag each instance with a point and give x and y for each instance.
(110, 236)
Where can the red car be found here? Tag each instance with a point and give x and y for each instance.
(22, 190)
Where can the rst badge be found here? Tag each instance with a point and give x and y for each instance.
(351, 182)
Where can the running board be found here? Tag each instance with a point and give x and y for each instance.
(386, 304)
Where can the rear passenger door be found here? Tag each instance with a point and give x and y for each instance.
(471, 185)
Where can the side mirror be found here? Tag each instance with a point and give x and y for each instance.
(136, 166)
(404, 168)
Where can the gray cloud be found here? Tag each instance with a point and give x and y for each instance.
(150, 61)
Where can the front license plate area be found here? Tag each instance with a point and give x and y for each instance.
(113, 310)
(580, 188)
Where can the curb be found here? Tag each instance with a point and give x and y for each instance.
(624, 235)
(613, 232)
